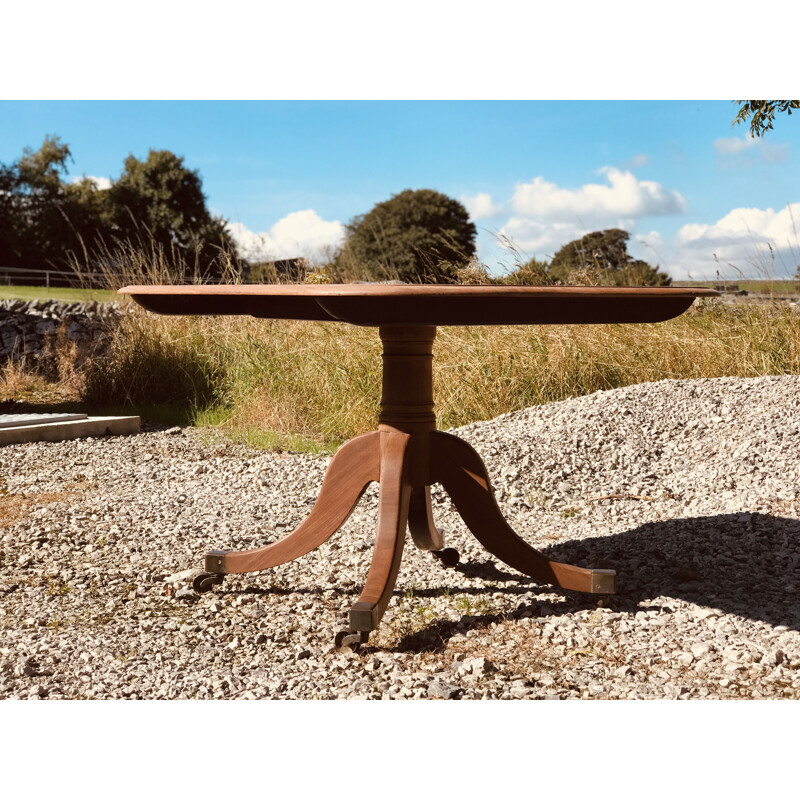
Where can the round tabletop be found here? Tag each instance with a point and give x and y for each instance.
(413, 304)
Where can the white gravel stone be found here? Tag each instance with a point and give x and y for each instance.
(690, 489)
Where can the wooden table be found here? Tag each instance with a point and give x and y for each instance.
(406, 455)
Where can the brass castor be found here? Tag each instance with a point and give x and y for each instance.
(205, 582)
(449, 556)
(352, 639)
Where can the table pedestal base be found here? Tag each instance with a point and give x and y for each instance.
(406, 455)
(382, 456)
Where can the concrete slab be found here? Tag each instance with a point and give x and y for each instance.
(69, 429)
(18, 420)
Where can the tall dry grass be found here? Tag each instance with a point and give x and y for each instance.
(322, 380)
(120, 262)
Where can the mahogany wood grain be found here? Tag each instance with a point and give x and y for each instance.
(407, 393)
(421, 524)
(407, 406)
(356, 464)
(460, 470)
(430, 305)
(393, 500)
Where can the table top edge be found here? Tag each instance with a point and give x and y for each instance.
(408, 290)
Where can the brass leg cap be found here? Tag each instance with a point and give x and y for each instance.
(215, 562)
(604, 581)
(362, 617)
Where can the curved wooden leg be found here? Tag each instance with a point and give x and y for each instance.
(460, 470)
(355, 465)
(423, 529)
(393, 503)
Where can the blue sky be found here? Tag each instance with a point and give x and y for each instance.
(288, 174)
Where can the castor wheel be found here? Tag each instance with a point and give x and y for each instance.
(205, 582)
(449, 556)
(352, 639)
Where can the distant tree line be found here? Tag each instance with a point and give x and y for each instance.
(155, 204)
(600, 258)
(157, 207)
(424, 236)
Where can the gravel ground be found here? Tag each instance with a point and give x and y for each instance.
(690, 489)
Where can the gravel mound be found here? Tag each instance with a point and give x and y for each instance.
(690, 489)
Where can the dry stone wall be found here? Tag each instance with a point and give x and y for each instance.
(36, 331)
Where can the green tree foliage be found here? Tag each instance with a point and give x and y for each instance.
(415, 236)
(9, 217)
(155, 204)
(33, 205)
(160, 200)
(89, 212)
(602, 258)
(761, 113)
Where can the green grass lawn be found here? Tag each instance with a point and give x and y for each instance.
(770, 287)
(67, 295)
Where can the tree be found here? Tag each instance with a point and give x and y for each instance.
(159, 200)
(761, 113)
(34, 230)
(9, 217)
(89, 211)
(155, 205)
(415, 236)
(602, 257)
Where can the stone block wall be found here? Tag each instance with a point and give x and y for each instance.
(32, 330)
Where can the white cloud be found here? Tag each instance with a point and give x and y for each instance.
(301, 233)
(648, 246)
(744, 224)
(734, 147)
(547, 216)
(597, 204)
(305, 230)
(746, 242)
(652, 239)
(538, 238)
(480, 206)
(100, 183)
(730, 147)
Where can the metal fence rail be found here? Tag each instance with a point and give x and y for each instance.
(47, 277)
